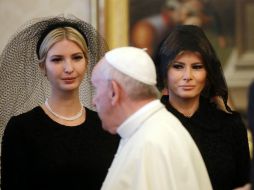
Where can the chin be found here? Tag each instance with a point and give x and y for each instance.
(108, 129)
(187, 96)
(71, 86)
(105, 127)
(69, 89)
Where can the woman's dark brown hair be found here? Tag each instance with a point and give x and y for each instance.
(192, 38)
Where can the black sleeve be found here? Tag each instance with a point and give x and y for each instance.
(242, 153)
(13, 157)
(251, 107)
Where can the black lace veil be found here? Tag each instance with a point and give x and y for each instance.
(22, 84)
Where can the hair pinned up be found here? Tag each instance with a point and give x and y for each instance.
(53, 26)
(22, 84)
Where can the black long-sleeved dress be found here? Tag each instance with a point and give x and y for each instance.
(38, 153)
(222, 140)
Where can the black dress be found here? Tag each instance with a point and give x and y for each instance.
(250, 115)
(222, 140)
(38, 153)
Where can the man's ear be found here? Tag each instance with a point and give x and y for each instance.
(115, 93)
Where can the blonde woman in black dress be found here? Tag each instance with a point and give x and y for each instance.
(59, 144)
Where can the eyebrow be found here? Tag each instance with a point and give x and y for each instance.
(191, 63)
(59, 55)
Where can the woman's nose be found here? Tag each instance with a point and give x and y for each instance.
(187, 74)
(68, 68)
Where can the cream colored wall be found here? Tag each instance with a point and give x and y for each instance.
(14, 13)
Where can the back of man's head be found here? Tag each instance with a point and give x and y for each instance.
(134, 70)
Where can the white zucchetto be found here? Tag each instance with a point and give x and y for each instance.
(134, 62)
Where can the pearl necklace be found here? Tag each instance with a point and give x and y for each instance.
(72, 118)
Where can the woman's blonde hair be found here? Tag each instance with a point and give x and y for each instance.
(59, 34)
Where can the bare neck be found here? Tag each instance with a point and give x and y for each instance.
(67, 102)
(185, 106)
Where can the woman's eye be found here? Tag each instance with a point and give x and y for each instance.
(198, 66)
(79, 57)
(177, 66)
(56, 59)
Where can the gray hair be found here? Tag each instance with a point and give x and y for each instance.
(135, 89)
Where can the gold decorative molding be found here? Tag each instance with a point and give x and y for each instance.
(117, 22)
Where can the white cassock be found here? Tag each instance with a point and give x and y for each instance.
(156, 153)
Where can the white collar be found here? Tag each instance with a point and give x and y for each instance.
(133, 122)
